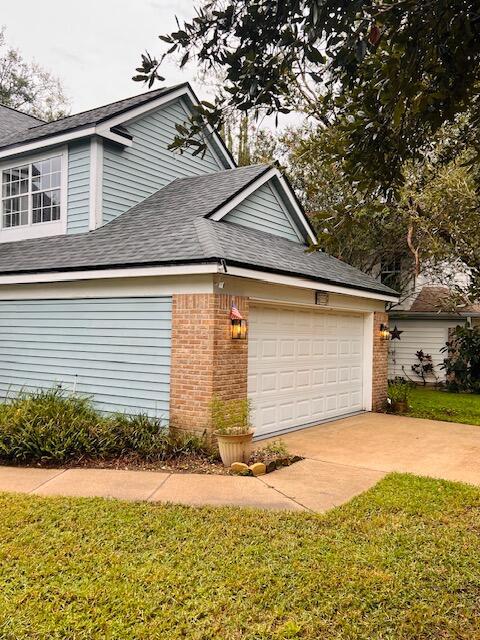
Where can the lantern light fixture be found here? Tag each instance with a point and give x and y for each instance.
(238, 324)
(384, 331)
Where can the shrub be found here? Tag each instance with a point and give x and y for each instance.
(54, 427)
(231, 417)
(399, 391)
(462, 364)
(271, 451)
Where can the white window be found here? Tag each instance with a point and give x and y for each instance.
(31, 193)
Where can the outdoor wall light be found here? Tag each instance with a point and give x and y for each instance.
(238, 324)
(384, 331)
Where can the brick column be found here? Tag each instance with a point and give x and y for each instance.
(205, 361)
(380, 363)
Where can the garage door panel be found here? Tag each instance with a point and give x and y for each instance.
(116, 350)
(314, 373)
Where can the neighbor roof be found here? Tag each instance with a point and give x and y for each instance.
(38, 129)
(172, 227)
(13, 121)
(433, 298)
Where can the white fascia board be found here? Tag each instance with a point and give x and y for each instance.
(53, 140)
(239, 198)
(114, 137)
(268, 175)
(35, 145)
(294, 204)
(305, 283)
(96, 183)
(214, 134)
(98, 274)
(158, 102)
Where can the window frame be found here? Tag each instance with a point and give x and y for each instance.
(37, 229)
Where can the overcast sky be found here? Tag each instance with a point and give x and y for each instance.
(93, 46)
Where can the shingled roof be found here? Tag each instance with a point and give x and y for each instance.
(172, 227)
(37, 129)
(434, 298)
(13, 121)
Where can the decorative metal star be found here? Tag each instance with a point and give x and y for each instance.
(395, 333)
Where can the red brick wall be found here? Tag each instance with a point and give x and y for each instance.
(205, 360)
(380, 363)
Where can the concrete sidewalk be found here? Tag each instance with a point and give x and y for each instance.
(342, 459)
(153, 486)
(308, 485)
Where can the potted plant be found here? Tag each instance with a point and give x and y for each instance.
(398, 395)
(232, 428)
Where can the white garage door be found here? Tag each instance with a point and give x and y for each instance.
(304, 366)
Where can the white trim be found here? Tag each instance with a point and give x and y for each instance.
(47, 142)
(256, 184)
(134, 272)
(368, 327)
(294, 204)
(142, 109)
(281, 204)
(96, 183)
(54, 140)
(41, 229)
(239, 198)
(115, 137)
(305, 283)
(98, 274)
(103, 129)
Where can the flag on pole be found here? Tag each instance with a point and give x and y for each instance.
(235, 313)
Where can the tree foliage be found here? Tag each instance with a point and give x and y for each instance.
(430, 224)
(397, 82)
(389, 73)
(462, 364)
(28, 87)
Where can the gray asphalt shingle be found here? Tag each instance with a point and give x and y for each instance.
(38, 129)
(171, 227)
(13, 122)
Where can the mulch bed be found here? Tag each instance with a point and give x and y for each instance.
(183, 464)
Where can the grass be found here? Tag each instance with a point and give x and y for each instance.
(442, 405)
(399, 562)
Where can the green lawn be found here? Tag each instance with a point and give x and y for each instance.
(399, 562)
(441, 405)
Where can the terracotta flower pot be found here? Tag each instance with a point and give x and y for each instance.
(234, 448)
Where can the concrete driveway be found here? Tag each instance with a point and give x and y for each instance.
(346, 457)
(342, 459)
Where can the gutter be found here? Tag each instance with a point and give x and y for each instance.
(209, 265)
(432, 315)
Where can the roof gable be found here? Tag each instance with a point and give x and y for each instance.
(107, 121)
(265, 210)
(175, 226)
(286, 212)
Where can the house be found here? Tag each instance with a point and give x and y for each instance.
(425, 318)
(120, 262)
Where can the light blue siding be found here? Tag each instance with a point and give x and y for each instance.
(264, 210)
(116, 350)
(78, 186)
(131, 174)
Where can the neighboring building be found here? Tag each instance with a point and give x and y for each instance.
(120, 261)
(425, 326)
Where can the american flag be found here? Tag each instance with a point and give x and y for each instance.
(235, 313)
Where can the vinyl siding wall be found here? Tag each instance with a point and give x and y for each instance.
(264, 210)
(114, 349)
(134, 173)
(427, 335)
(78, 187)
